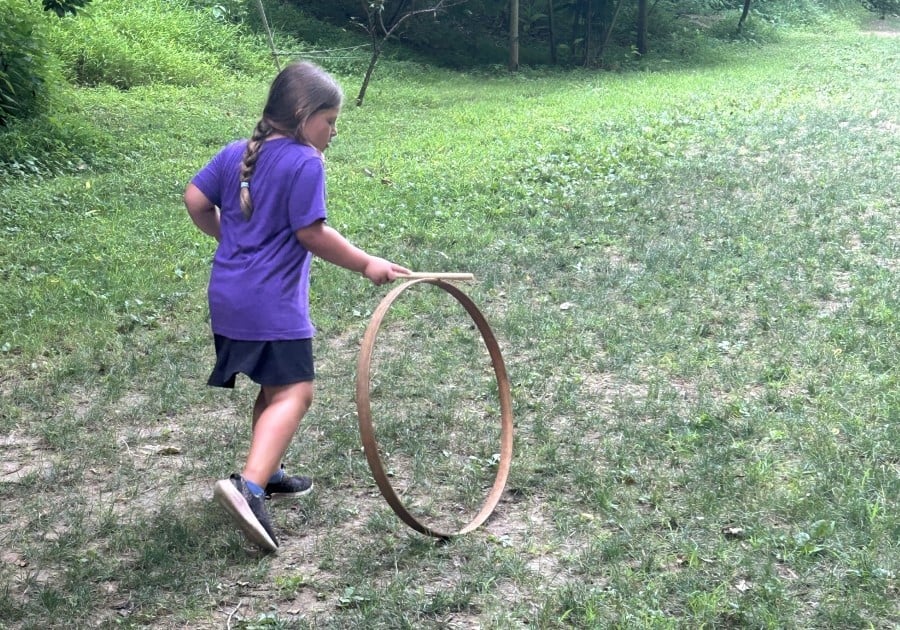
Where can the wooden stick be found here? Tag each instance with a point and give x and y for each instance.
(439, 275)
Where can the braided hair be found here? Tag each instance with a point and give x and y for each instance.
(300, 90)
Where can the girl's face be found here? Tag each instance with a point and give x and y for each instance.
(321, 127)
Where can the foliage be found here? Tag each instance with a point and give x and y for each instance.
(62, 7)
(882, 7)
(235, 11)
(23, 60)
(125, 44)
(476, 32)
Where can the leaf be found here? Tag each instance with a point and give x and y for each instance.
(733, 532)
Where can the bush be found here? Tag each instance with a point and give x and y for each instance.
(124, 44)
(23, 61)
(883, 7)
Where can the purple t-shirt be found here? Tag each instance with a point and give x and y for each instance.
(259, 285)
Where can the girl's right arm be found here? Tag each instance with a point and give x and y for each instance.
(203, 213)
(328, 244)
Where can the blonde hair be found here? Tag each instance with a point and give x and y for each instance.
(300, 90)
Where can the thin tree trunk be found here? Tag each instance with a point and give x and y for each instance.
(609, 31)
(576, 16)
(552, 33)
(744, 15)
(376, 53)
(513, 35)
(642, 27)
(588, 29)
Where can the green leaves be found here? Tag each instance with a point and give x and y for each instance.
(23, 62)
(62, 7)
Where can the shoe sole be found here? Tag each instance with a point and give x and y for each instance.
(236, 505)
(289, 495)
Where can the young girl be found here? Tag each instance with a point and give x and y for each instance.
(263, 200)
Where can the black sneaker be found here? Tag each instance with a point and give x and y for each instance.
(289, 486)
(248, 511)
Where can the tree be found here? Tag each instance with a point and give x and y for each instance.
(380, 30)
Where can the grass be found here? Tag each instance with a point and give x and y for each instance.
(692, 273)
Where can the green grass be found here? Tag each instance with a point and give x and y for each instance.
(693, 276)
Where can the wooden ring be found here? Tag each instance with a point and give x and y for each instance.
(364, 410)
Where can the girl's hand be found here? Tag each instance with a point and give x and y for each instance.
(380, 271)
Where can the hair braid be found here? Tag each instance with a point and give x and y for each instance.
(248, 163)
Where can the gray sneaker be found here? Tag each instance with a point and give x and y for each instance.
(248, 511)
(289, 486)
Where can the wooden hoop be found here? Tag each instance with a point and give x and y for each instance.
(364, 410)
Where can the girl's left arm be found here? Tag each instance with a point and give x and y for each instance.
(328, 244)
(203, 213)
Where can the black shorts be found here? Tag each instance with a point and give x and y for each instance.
(265, 362)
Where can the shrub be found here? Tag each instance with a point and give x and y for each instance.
(62, 7)
(124, 44)
(23, 61)
(882, 7)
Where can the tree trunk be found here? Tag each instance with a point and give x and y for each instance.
(576, 20)
(588, 29)
(513, 35)
(609, 31)
(642, 27)
(376, 53)
(552, 34)
(744, 14)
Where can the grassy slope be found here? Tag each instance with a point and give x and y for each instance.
(694, 277)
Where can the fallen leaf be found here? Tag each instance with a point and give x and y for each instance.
(733, 532)
(743, 586)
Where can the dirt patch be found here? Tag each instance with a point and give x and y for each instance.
(22, 456)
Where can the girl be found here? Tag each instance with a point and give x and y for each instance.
(263, 200)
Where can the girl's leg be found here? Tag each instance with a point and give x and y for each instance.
(276, 415)
(259, 406)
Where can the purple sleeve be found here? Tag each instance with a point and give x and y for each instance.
(306, 201)
(210, 178)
